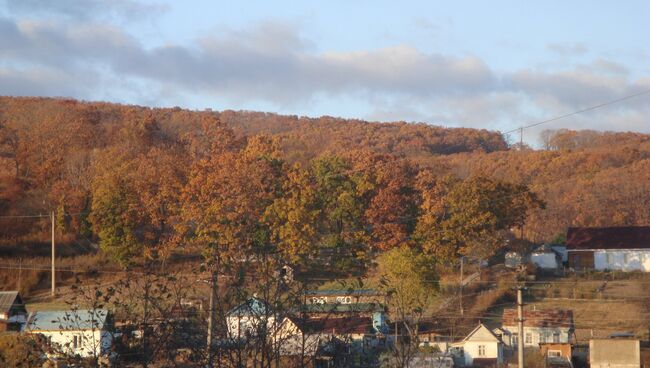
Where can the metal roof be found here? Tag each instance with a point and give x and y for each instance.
(7, 299)
(67, 320)
(625, 237)
(346, 292)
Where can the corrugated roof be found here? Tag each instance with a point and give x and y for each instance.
(627, 237)
(343, 308)
(540, 318)
(338, 326)
(347, 292)
(7, 299)
(66, 320)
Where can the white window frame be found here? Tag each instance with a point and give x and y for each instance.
(481, 350)
(609, 259)
(556, 337)
(529, 338)
(554, 353)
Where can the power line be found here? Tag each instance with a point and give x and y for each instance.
(594, 107)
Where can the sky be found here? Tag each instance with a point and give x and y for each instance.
(493, 64)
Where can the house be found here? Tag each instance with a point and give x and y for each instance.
(540, 326)
(430, 337)
(545, 257)
(85, 333)
(480, 347)
(13, 314)
(361, 333)
(299, 346)
(609, 248)
(345, 296)
(252, 317)
(614, 353)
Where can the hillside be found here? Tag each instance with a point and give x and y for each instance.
(53, 150)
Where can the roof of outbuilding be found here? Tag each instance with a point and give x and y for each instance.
(346, 292)
(7, 300)
(625, 237)
(67, 320)
(540, 318)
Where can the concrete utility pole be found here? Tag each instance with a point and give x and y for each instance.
(212, 317)
(53, 256)
(520, 323)
(461, 284)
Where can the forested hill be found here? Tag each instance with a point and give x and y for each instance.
(302, 138)
(62, 154)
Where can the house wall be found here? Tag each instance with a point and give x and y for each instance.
(612, 353)
(538, 335)
(625, 260)
(239, 327)
(492, 350)
(89, 343)
(544, 260)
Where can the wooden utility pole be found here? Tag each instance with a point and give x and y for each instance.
(53, 256)
(520, 323)
(521, 138)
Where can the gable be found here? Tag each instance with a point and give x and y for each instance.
(482, 334)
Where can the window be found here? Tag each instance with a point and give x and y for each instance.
(554, 353)
(626, 258)
(74, 341)
(556, 336)
(515, 339)
(529, 338)
(481, 350)
(542, 337)
(610, 259)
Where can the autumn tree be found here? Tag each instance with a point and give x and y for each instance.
(471, 217)
(408, 277)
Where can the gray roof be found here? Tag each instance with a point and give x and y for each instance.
(7, 299)
(347, 292)
(67, 320)
(251, 307)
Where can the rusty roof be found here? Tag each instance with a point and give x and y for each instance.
(540, 318)
(625, 237)
(336, 326)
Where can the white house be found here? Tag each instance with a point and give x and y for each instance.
(540, 326)
(253, 317)
(77, 332)
(480, 347)
(609, 248)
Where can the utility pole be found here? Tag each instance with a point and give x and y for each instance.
(53, 256)
(20, 272)
(521, 138)
(212, 317)
(461, 284)
(520, 323)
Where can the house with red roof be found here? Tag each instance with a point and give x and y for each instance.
(609, 248)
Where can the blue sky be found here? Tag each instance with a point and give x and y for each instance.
(494, 65)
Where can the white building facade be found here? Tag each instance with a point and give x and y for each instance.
(480, 346)
(540, 326)
(82, 332)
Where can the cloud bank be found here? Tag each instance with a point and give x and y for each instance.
(272, 63)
